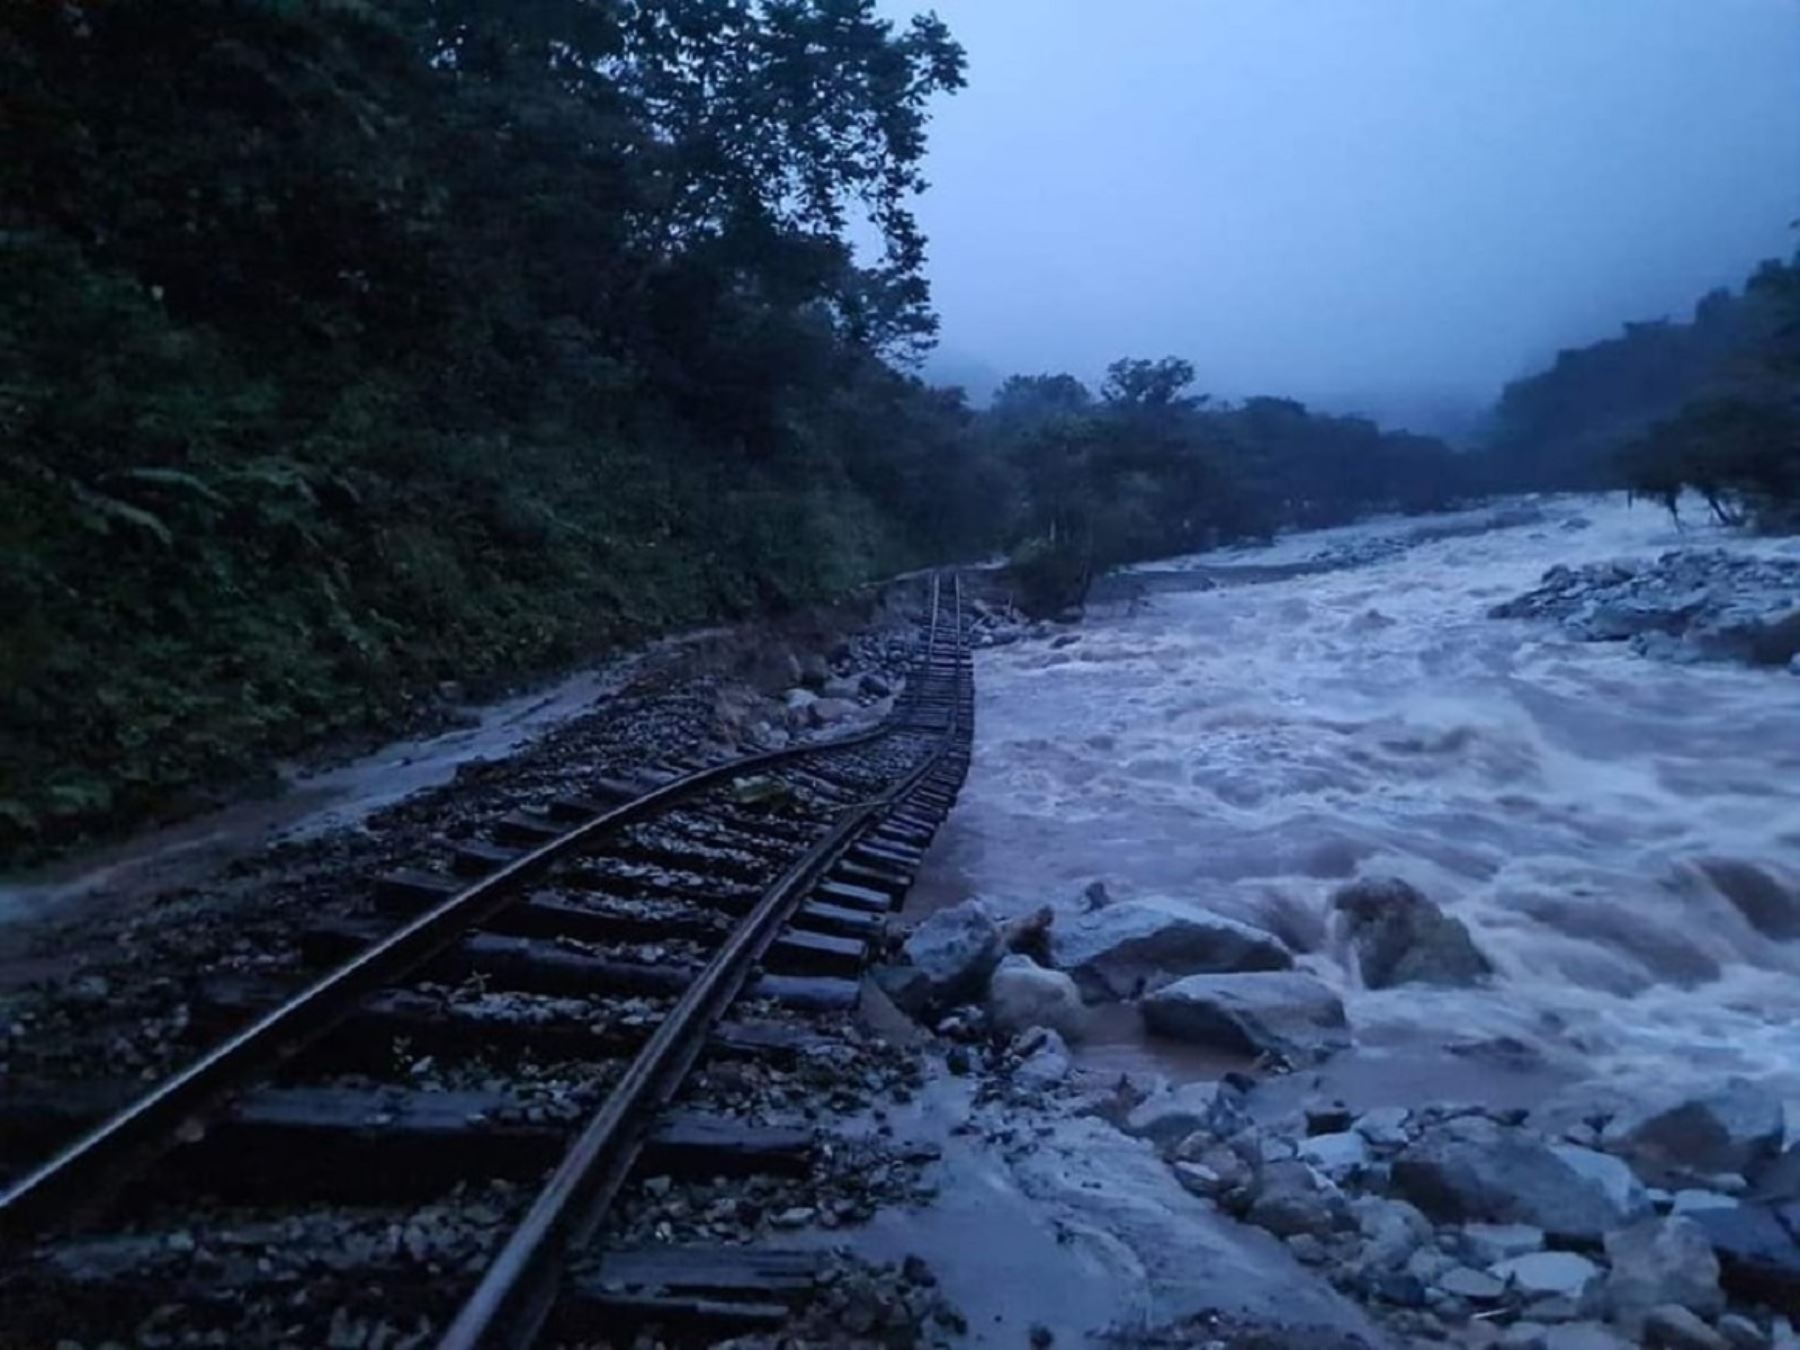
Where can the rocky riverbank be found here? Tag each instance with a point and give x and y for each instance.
(1687, 605)
(1612, 1214)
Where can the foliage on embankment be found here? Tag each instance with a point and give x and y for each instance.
(348, 346)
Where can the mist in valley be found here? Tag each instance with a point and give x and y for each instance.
(1386, 208)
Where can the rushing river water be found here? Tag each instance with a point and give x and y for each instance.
(1600, 821)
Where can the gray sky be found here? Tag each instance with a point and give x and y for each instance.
(1391, 204)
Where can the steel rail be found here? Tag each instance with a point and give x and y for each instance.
(515, 1296)
(80, 1178)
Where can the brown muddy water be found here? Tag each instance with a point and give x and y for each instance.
(1605, 824)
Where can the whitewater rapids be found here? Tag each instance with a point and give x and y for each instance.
(1604, 823)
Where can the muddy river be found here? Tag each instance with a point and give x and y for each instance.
(1601, 821)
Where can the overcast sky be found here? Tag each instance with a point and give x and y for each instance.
(1389, 204)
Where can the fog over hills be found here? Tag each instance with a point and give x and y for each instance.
(1391, 207)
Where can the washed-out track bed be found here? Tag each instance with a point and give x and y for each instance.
(572, 1085)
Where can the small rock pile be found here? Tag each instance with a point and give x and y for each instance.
(1612, 1215)
(1689, 605)
(1002, 624)
(858, 677)
(1604, 1218)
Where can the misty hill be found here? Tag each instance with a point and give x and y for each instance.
(1565, 427)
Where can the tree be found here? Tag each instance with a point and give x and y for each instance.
(1740, 455)
(1138, 383)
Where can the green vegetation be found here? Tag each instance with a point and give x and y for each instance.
(352, 346)
(1148, 470)
(1712, 405)
(349, 347)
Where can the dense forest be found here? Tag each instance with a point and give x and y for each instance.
(348, 347)
(1711, 405)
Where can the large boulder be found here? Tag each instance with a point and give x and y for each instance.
(1473, 1169)
(1280, 1013)
(1125, 950)
(1022, 994)
(1674, 1133)
(955, 949)
(1400, 937)
(1758, 1259)
(1661, 1261)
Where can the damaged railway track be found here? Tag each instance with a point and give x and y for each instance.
(489, 1063)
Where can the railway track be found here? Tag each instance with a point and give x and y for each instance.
(423, 1145)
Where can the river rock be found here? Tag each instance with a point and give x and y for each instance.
(1736, 1126)
(826, 711)
(1485, 1244)
(1758, 1260)
(1215, 1170)
(1548, 1274)
(1295, 1199)
(1673, 1327)
(1477, 1286)
(1767, 901)
(1336, 1155)
(1661, 1261)
(1122, 950)
(1267, 1012)
(1686, 1201)
(1400, 937)
(1169, 1118)
(1022, 994)
(1384, 1127)
(1612, 1176)
(1392, 1231)
(1472, 1169)
(955, 949)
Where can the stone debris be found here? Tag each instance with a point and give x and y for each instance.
(1688, 605)
(1469, 1227)
(955, 950)
(1474, 1168)
(1127, 949)
(1400, 937)
(1278, 1013)
(1662, 1261)
(1022, 994)
(1736, 1127)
